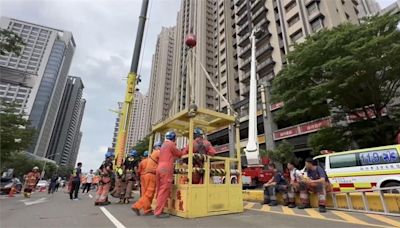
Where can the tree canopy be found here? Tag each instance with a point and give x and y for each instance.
(352, 69)
(16, 134)
(10, 42)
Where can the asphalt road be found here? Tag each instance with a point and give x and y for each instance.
(58, 210)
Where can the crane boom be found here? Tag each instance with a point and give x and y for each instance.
(130, 88)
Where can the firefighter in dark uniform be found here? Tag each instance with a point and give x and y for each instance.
(317, 182)
(130, 173)
(276, 184)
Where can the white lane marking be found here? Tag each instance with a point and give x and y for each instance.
(112, 218)
(41, 200)
(90, 195)
(24, 200)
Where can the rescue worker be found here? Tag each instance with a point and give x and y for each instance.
(276, 184)
(129, 177)
(295, 178)
(105, 171)
(53, 183)
(140, 169)
(165, 171)
(31, 180)
(147, 181)
(317, 181)
(200, 146)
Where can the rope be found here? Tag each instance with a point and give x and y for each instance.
(215, 88)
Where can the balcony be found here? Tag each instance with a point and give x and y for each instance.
(245, 63)
(239, 21)
(257, 4)
(243, 38)
(255, 15)
(266, 63)
(243, 28)
(263, 50)
(239, 2)
(261, 23)
(244, 50)
(237, 88)
(246, 76)
(287, 2)
(241, 9)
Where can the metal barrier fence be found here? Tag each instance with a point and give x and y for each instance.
(365, 194)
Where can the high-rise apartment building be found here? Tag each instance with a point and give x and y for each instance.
(161, 76)
(284, 23)
(196, 17)
(368, 7)
(67, 126)
(139, 122)
(116, 128)
(47, 55)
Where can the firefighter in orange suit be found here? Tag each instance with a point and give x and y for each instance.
(165, 172)
(106, 172)
(148, 181)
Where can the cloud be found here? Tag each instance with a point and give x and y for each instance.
(104, 32)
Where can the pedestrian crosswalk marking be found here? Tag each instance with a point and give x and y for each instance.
(384, 219)
(249, 205)
(287, 211)
(313, 213)
(265, 208)
(90, 195)
(349, 218)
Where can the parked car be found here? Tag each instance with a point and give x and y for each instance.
(42, 184)
(7, 183)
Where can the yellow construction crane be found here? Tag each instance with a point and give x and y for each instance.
(132, 81)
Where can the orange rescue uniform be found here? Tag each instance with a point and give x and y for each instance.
(147, 172)
(165, 172)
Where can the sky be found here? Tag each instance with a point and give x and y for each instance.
(104, 32)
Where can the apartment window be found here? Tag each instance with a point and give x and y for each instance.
(290, 6)
(347, 16)
(297, 35)
(293, 20)
(316, 25)
(312, 8)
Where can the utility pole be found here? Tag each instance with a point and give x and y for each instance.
(132, 81)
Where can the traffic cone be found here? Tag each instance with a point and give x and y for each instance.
(12, 192)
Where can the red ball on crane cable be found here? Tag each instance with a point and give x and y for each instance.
(190, 40)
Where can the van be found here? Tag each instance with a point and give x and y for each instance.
(377, 167)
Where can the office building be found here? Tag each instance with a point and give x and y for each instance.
(67, 126)
(15, 87)
(161, 75)
(47, 55)
(368, 8)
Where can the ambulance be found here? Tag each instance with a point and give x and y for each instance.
(377, 167)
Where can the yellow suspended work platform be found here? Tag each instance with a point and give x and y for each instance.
(221, 190)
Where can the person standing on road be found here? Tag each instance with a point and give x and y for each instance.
(165, 172)
(89, 181)
(129, 176)
(53, 183)
(105, 171)
(31, 181)
(75, 182)
(147, 181)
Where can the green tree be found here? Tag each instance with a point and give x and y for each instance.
(10, 42)
(329, 139)
(16, 135)
(283, 153)
(343, 71)
(142, 145)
